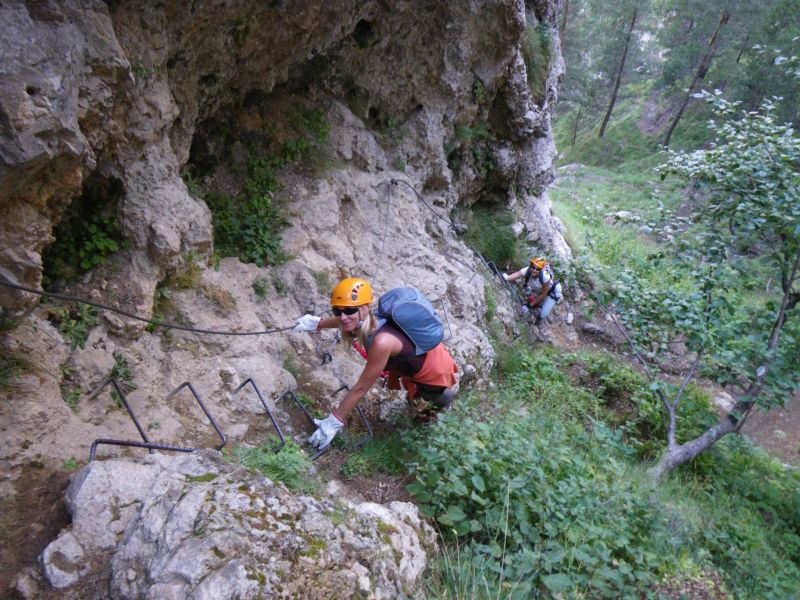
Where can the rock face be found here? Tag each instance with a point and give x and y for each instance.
(428, 107)
(195, 526)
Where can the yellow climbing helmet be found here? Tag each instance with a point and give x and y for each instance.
(352, 291)
(538, 263)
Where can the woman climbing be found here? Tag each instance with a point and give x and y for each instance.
(544, 290)
(427, 376)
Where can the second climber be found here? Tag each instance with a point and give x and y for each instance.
(544, 291)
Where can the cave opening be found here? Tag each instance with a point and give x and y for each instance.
(87, 234)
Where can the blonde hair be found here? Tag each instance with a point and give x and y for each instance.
(368, 326)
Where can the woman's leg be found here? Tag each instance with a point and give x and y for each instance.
(547, 308)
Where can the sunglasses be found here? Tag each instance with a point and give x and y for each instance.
(350, 310)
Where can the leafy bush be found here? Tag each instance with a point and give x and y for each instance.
(471, 142)
(534, 380)
(291, 465)
(74, 323)
(12, 364)
(260, 288)
(86, 236)
(548, 504)
(490, 232)
(249, 224)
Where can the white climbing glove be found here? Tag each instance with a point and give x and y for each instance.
(326, 431)
(306, 323)
(505, 276)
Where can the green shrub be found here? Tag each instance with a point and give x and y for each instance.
(470, 141)
(86, 236)
(249, 224)
(491, 301)
(74, 323)
(535, 381)
(260, 288)
(490, 232)
(548, 504)
(123, 374)
(281, 288)
(12, 364)
(291, 465)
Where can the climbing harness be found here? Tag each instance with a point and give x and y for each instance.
(147, 443)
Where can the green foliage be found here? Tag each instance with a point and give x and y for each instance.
(280, 286)
(12, 364)
(752, 212)
(471, 143)
(290, 365)
(290, 465)
(69, 465)
(489, 230)
(491, 301)
(536, 500)
(260, 288)
(479, 91)
(249, 224)
(535, 381)
(538, 53)
(85, 238)
(123, 374)
(74, 322)
(549, 504)
(72, 396)
(632, 406)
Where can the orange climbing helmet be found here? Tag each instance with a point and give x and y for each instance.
(538, 263)
(352, 291)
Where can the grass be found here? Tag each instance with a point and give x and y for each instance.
(378, 455)
(12, 365)
(291, 465)
(489, 230)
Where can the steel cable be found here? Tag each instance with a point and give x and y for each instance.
(153, 322)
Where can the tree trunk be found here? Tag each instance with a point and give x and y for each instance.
(619, 75)
(575, 129)
(743, 48)
(702, 69)
(676, 455)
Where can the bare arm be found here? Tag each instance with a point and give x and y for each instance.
(516, 275)
(382, 348)
(328, 322)
(542, 294)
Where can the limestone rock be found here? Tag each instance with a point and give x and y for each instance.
(196, 526)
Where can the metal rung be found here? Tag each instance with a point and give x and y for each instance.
(266, 408)
(147, 443)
